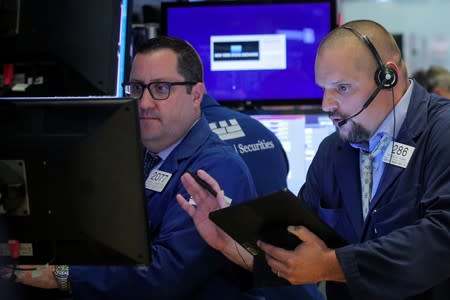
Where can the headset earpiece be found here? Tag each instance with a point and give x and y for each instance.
(386, 77)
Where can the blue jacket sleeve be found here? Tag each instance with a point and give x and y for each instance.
(401, 250)
(183, 266)
(409, 254)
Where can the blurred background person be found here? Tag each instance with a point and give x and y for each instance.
(440, 84)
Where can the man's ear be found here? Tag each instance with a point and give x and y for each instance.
(198, 90)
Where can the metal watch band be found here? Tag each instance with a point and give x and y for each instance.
(61, 273)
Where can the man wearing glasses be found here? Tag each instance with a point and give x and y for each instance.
(167, 80)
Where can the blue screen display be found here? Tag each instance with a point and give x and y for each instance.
(261, 52)
(300, 134)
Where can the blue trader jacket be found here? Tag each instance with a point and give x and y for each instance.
(402, 250)
(257, 145)
(183, 266)
(267, 161)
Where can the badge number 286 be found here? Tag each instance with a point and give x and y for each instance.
(399, 155)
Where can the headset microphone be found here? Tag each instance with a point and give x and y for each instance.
(366, 104)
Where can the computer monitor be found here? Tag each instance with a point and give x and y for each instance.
(300, 134)
(64, 48)
(254, 52)
(71, 180)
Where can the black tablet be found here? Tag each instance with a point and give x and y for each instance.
(267, 218)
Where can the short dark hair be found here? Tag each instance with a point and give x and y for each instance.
(189, 64)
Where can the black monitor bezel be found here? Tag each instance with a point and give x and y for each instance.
(103, 156)
(251, 104)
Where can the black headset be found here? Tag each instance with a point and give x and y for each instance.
(385, 76)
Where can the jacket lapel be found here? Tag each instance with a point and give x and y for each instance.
(412, 128)
(348, 174)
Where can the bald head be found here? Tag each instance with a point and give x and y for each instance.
(381, 39)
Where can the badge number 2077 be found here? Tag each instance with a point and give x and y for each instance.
(157, 180)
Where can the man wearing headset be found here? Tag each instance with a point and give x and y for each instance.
(396, 223)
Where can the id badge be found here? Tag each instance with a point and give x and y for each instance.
(398, 154)
(157, 180)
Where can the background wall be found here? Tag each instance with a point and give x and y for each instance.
(424, 25)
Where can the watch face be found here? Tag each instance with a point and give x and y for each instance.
(61, 271)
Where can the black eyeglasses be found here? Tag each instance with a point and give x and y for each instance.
(159, 90)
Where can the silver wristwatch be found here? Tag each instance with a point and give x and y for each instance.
(61, 273)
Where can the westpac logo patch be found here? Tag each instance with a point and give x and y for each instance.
(227, 129)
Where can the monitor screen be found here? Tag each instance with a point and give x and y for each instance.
(71, 181)
(300, 134)
(254, 52)
(63, 48)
